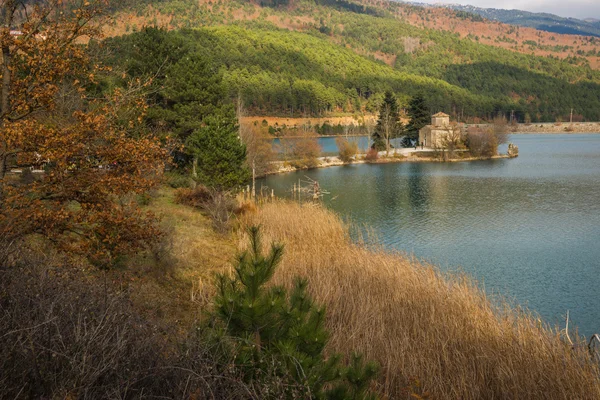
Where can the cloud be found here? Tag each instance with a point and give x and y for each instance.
(570, 8)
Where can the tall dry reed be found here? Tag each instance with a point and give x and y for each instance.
(439, 332)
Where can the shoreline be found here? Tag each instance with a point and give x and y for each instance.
(549, 128)
(285, 167)
(555, 128)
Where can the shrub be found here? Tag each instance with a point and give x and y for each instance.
(245, 208)
(220, 207)
(372, 155)
(217, 204)
(482, 143)
(177, 180)
(279, 339)
(62, 338)
(68, 335)
(143, 199)
(347, 149)
(192, 197)
(304, 150)
(306, 153)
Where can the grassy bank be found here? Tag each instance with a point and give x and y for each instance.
(424, 328)
(136, 331)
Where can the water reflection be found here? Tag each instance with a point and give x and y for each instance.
(418, 191)
(527, 228)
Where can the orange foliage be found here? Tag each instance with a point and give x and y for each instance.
(95, 162)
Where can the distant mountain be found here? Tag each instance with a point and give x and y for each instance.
(542, 21)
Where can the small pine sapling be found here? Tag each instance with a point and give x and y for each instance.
(279, 339)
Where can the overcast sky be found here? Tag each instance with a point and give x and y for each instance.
(564, 8)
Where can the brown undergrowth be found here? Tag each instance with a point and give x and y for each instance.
(432, 333)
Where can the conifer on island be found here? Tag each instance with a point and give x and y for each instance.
(389, 125)
(419, 117)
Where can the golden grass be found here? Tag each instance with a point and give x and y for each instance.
(419, 323)
(178, 287)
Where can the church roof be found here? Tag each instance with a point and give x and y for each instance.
(441, 114)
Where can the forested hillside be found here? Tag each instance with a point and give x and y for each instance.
(542, 21)
(303, 58)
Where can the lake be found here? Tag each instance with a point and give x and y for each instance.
(329, 147)
(526, 228)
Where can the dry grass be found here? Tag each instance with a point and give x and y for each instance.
(418, 323)
(177, 285)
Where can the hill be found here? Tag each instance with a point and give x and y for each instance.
(572, 48)
(339, 56)
(542, 21)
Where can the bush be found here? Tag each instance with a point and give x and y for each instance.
(347, 149)
(220, 207)
(372, 155)
(305, 150)
(62, 338)
(192, 197)
(68, 335)
(217, 204)
(482, 143)
(177, 180)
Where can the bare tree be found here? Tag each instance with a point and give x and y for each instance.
(482, 142)
(452, 139)
(500, 128)
(259, 151)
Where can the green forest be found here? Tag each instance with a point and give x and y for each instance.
(328, 65)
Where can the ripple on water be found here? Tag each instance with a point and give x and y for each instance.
(527, 227)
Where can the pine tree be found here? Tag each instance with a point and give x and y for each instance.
(389, 125)
(219, 155)
(280, 338)
(419, 117)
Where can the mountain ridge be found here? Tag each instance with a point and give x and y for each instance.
(539, 20)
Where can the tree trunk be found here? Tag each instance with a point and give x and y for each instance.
(9, 9)
(194, 164)
(6, 60)
(387, 140)
(2, 175)
(6, 81)
(253, 179)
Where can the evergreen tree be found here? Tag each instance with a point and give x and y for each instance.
(192, 90)
(219, 155)
(419, 117)
(279, 338)
(389, 125)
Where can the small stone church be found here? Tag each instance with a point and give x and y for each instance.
(431, 135)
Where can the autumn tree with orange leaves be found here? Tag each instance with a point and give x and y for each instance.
(94, 164)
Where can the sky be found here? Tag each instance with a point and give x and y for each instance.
(564, 8)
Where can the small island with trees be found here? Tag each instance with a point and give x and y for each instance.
(425, 137)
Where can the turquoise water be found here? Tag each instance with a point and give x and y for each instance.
(527, 228)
